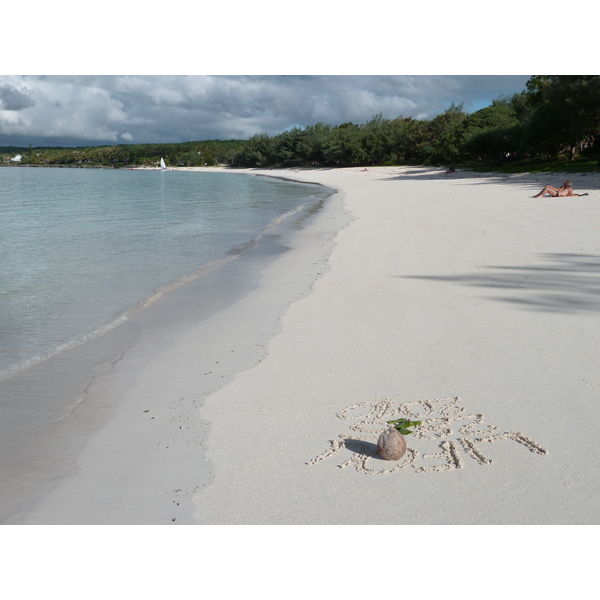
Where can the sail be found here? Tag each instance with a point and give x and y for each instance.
(162, 164)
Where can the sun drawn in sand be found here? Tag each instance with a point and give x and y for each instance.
(446, 429)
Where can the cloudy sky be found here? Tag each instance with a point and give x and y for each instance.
(107, 109)
(260, 66)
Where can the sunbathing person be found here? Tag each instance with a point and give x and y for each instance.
(565, 190)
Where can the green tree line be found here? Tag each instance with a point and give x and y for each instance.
(206, 153)
(557, 117)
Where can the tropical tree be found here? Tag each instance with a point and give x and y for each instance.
(257, 152)
(408, 140)
(374, 141)
(565, 116)
(446, 133)
(492, 133)
(311, 145)
(343, 146)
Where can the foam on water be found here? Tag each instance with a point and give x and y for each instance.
(84, 250)
(97, 264)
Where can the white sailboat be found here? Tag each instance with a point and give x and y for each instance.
(162, 164)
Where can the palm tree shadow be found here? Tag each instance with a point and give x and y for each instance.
(531, 183)
(560, 283)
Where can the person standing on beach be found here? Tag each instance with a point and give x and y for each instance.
(565, 190)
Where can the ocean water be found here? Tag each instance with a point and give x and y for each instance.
(100, 264)
(84, 249)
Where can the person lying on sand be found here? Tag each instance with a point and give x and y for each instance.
(450, 170)
(565, 190)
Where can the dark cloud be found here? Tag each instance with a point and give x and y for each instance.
(12, 99)
(99, 109)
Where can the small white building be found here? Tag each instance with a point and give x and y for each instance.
(16, 158)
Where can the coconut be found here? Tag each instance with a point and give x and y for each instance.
(391, 444)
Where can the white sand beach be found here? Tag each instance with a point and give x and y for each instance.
(460, 301)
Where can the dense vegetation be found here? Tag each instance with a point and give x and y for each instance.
(555, 119)
(194, 154)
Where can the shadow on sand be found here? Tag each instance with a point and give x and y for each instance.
(364, 448)
(559, 283)
(532, 182)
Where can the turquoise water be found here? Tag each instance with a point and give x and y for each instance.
(101, 269)
(83, 249)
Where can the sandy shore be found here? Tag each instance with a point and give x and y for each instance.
(460, 301)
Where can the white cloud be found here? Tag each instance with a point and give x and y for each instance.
(124, 108)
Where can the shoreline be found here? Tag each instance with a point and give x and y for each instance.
(150, 431)
(440, 296)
